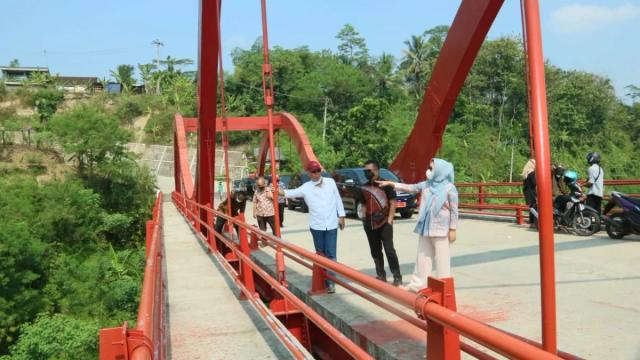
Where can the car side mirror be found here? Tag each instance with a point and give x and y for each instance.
(349, 182)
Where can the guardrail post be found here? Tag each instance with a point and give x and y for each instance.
(253, 245)
(519, 218)
(442, 343)
(281, 272)
(211, 234)
(247, 272)
(318, 285)
(197, 219)
(480, 194)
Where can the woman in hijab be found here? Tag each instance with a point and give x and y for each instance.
(437, 222)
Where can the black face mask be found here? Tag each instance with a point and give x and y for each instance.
(368, 174)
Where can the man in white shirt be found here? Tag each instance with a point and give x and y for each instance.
(326, 212)
(595, 181)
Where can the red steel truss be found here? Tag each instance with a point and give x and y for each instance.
(298, 326)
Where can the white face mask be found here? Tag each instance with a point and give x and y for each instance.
(429, 173)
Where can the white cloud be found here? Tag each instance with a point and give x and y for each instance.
(574, 18)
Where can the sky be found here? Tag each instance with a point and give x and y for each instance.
(88, 38)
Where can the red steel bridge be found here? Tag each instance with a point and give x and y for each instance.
(300, 328)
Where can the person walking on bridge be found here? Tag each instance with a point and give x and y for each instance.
(437, 222)
(282, 201)
(326, 212)
(263, 206)
(238, 204)
(380, 210)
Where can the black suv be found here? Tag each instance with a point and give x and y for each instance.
(238, 186)
(249, 185)
(296, 181)
(349, 182)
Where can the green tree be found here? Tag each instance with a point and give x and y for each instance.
(387, 83)
(420, 57)
(124, 75)
(14, 63)
(91, 136)
(172, 63)
(21, 277)
(357, 141)
(352, 48)
(46, 102)
(57, 337)
(146, 73)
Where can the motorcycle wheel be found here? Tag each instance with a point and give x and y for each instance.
(587, 224)
(616, 231)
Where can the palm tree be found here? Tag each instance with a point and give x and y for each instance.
(171, 63)
(414, 63)
(146, 74)
(385, 78)
(124, 75)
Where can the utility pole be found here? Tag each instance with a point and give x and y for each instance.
(324, 126)
(157, 44)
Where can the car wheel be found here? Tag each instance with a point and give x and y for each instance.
(360, 210)
(291, 205)
(304, 207)
(406, 214)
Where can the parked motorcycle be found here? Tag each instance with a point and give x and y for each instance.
(578, 217)
(570, 212)
(626, 220)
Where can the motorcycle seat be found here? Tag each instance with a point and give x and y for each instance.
(633, 200)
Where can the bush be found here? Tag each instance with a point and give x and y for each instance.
(46, 102)
(57, 337)
(159, 128)
(128, 109)
(90, 135)
(21, 279)
(3, 91)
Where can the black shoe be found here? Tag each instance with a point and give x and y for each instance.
(397, 281)
(382, 278)
(331, 289)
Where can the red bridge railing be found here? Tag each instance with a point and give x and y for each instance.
(147, 340)
(480, 197)
(434, 308)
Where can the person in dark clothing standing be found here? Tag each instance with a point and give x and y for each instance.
(238, 204)
(529, 188)
(380, 209)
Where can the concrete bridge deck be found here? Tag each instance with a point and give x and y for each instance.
(205, 318)
(496, 270)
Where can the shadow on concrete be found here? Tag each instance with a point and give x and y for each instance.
(630, 278)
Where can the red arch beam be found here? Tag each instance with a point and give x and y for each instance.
(468, 31)
(281, 121)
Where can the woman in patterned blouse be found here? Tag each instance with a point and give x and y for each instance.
(437, 222)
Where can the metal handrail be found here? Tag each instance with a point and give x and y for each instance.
(494, 339)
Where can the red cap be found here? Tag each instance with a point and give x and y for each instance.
(313, 166)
